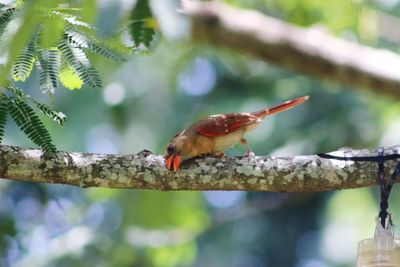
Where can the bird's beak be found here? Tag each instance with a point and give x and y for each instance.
(173, 161)
(168, 161)
(177, 162)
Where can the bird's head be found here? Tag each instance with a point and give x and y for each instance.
(175, 152)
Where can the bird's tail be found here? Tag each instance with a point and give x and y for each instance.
(282, 107)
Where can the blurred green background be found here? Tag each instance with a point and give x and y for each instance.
(149, 98)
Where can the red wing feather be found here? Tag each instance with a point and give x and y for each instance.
(224, 124)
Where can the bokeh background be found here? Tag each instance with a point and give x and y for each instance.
(149, 98)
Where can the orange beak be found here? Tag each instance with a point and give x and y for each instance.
(173, 161)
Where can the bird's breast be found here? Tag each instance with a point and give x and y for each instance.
(222, 143)
(200, 144)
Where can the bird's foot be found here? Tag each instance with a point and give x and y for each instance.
(218, 155)
(249, 154)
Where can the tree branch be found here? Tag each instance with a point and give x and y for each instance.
(146, 171)
(309, 51)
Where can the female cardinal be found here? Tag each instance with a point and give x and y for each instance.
(216, 133)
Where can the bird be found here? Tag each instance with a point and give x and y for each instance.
(216, 133)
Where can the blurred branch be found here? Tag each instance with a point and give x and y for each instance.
(146, 171)
(310, 51)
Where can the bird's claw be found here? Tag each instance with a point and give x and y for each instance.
(249, 154)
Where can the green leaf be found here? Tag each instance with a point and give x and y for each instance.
(142, 24)
(52, 30)
(77, 59)
(3, 115)
(16, 91)
(23, 65)
(5, 17)
(50, 62)
(30, 124)
(79, 40)
(20, 40)
(70, 78)
(57, 116)
(72, 19)
(106, 52)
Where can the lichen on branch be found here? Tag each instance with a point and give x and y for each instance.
(147, 171)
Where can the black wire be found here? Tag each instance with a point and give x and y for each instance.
(384, 204)
(367, 158)
(393, 177)
(385, 188)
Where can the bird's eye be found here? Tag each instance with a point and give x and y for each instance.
(170, 149)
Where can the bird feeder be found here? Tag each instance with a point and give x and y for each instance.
(382, 250)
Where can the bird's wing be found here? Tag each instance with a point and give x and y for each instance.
(218, 125)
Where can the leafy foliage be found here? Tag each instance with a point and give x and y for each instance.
(16, 103)
(6, 14)
(72, 19)
(49, 68)
(57, 42)
(23, 65)
(81, 41)
(3, 115)
(58, 117)
(78, 60)
(142, 27)
(30, 124)
(73, 44)
(100, 49)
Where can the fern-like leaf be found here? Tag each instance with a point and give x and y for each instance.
(57, 116)
(50, 63)
(106, 52)
(23, 65)
(79, 40)
(3, 115)
(16, 91)
(77, 59)
(6, 14)
(141, 30)
(30, 124)
(72, 19)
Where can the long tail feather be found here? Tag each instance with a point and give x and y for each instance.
(279, 108)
